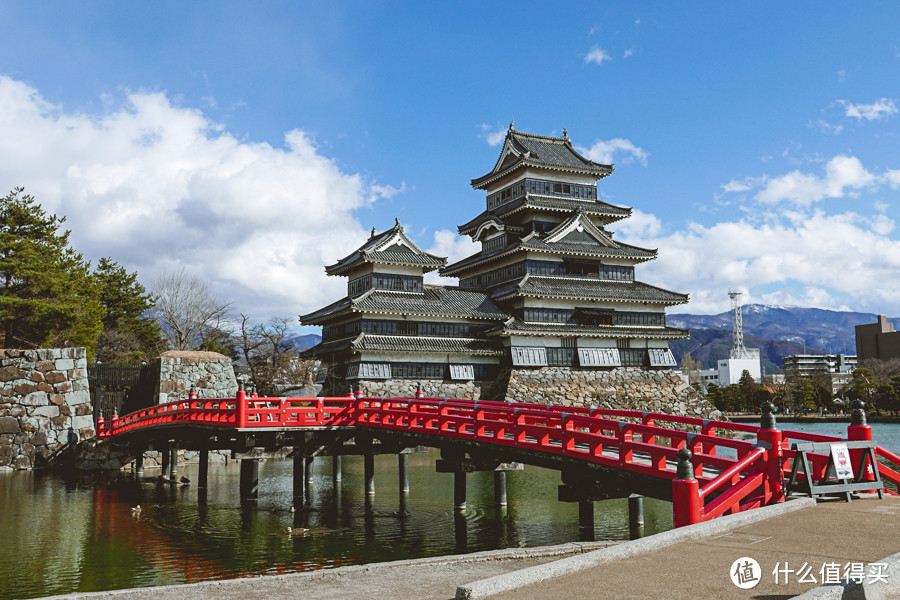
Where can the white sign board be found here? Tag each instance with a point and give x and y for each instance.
(841, 457)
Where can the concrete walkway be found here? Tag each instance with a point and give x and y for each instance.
(863, 531)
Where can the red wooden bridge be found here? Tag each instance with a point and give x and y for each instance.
(698, 464)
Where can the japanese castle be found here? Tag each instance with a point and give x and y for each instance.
(550, 287)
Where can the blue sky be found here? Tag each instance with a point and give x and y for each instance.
(252, 144)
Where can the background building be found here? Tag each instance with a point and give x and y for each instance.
(877, 340)
(835, 369)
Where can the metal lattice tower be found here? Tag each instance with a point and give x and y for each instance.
(737, 330)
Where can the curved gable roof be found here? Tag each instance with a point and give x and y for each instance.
(522, 149)
(388, 247)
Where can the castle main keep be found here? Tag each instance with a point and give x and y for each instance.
(550, 296)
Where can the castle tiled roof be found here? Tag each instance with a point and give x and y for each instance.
(597, 208)
(536, 243)
(435, 301)
(522, 150)
(398, 343)
(389, 247)
(519, 327)
(587, 289)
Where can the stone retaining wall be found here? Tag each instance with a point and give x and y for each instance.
(210, 373)
(624, 388)
(44, 404)
(406, 388)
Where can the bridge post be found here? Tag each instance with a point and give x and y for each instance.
(686, 505)
(139, 462)
(586, 520)
(771, 435)
(249, 489)
(203, 475)
(336, 474)
(165, 456)
(369, 472)
(307, 469)
(240, 402)
(500, 488)
(859, 430)
(459, 490)
(173, 463)
(403, 467)
(636, 516)
(299, 483)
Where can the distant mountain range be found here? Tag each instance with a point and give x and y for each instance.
(303, 341)
(776, 330)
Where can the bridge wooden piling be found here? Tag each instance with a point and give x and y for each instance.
(165, 456)
(586, 521)
(459, 490)
(249, 488)
(636, 516)
(173, 462)
(203, 474)
(299, 482)
(308, 469)
(500, 488)
(336, 468)
(369, 472)
(403, 468)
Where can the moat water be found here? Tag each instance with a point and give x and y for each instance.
(61, 535)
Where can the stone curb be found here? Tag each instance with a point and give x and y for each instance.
(566, 566)
(454, 559)
(861, 591)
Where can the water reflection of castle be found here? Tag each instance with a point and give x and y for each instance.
(549, 288)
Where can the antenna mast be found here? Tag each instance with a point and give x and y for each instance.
(737, 330)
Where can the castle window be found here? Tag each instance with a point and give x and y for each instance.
(526, 356)
(599, 357)
(369, 371)
(462, 372)
(560, 357)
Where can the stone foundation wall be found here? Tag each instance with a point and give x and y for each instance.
(406, 388)
(210, 373)
(624, 388)
(44, 404)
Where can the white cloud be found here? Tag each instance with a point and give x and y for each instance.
(743, 185)
(157, 186)
(639, 225)
(628, 53)
(843, 174)
(826, 127)
(801, 258)
(605, 151)
(453, 246)
(493, 136)
(880, 109)
(597, 55)
(842, 75)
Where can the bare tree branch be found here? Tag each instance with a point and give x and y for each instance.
(187, 310)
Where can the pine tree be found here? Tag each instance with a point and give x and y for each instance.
(129, 334)
(48, 296)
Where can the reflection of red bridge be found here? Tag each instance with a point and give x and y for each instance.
(605, 452)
